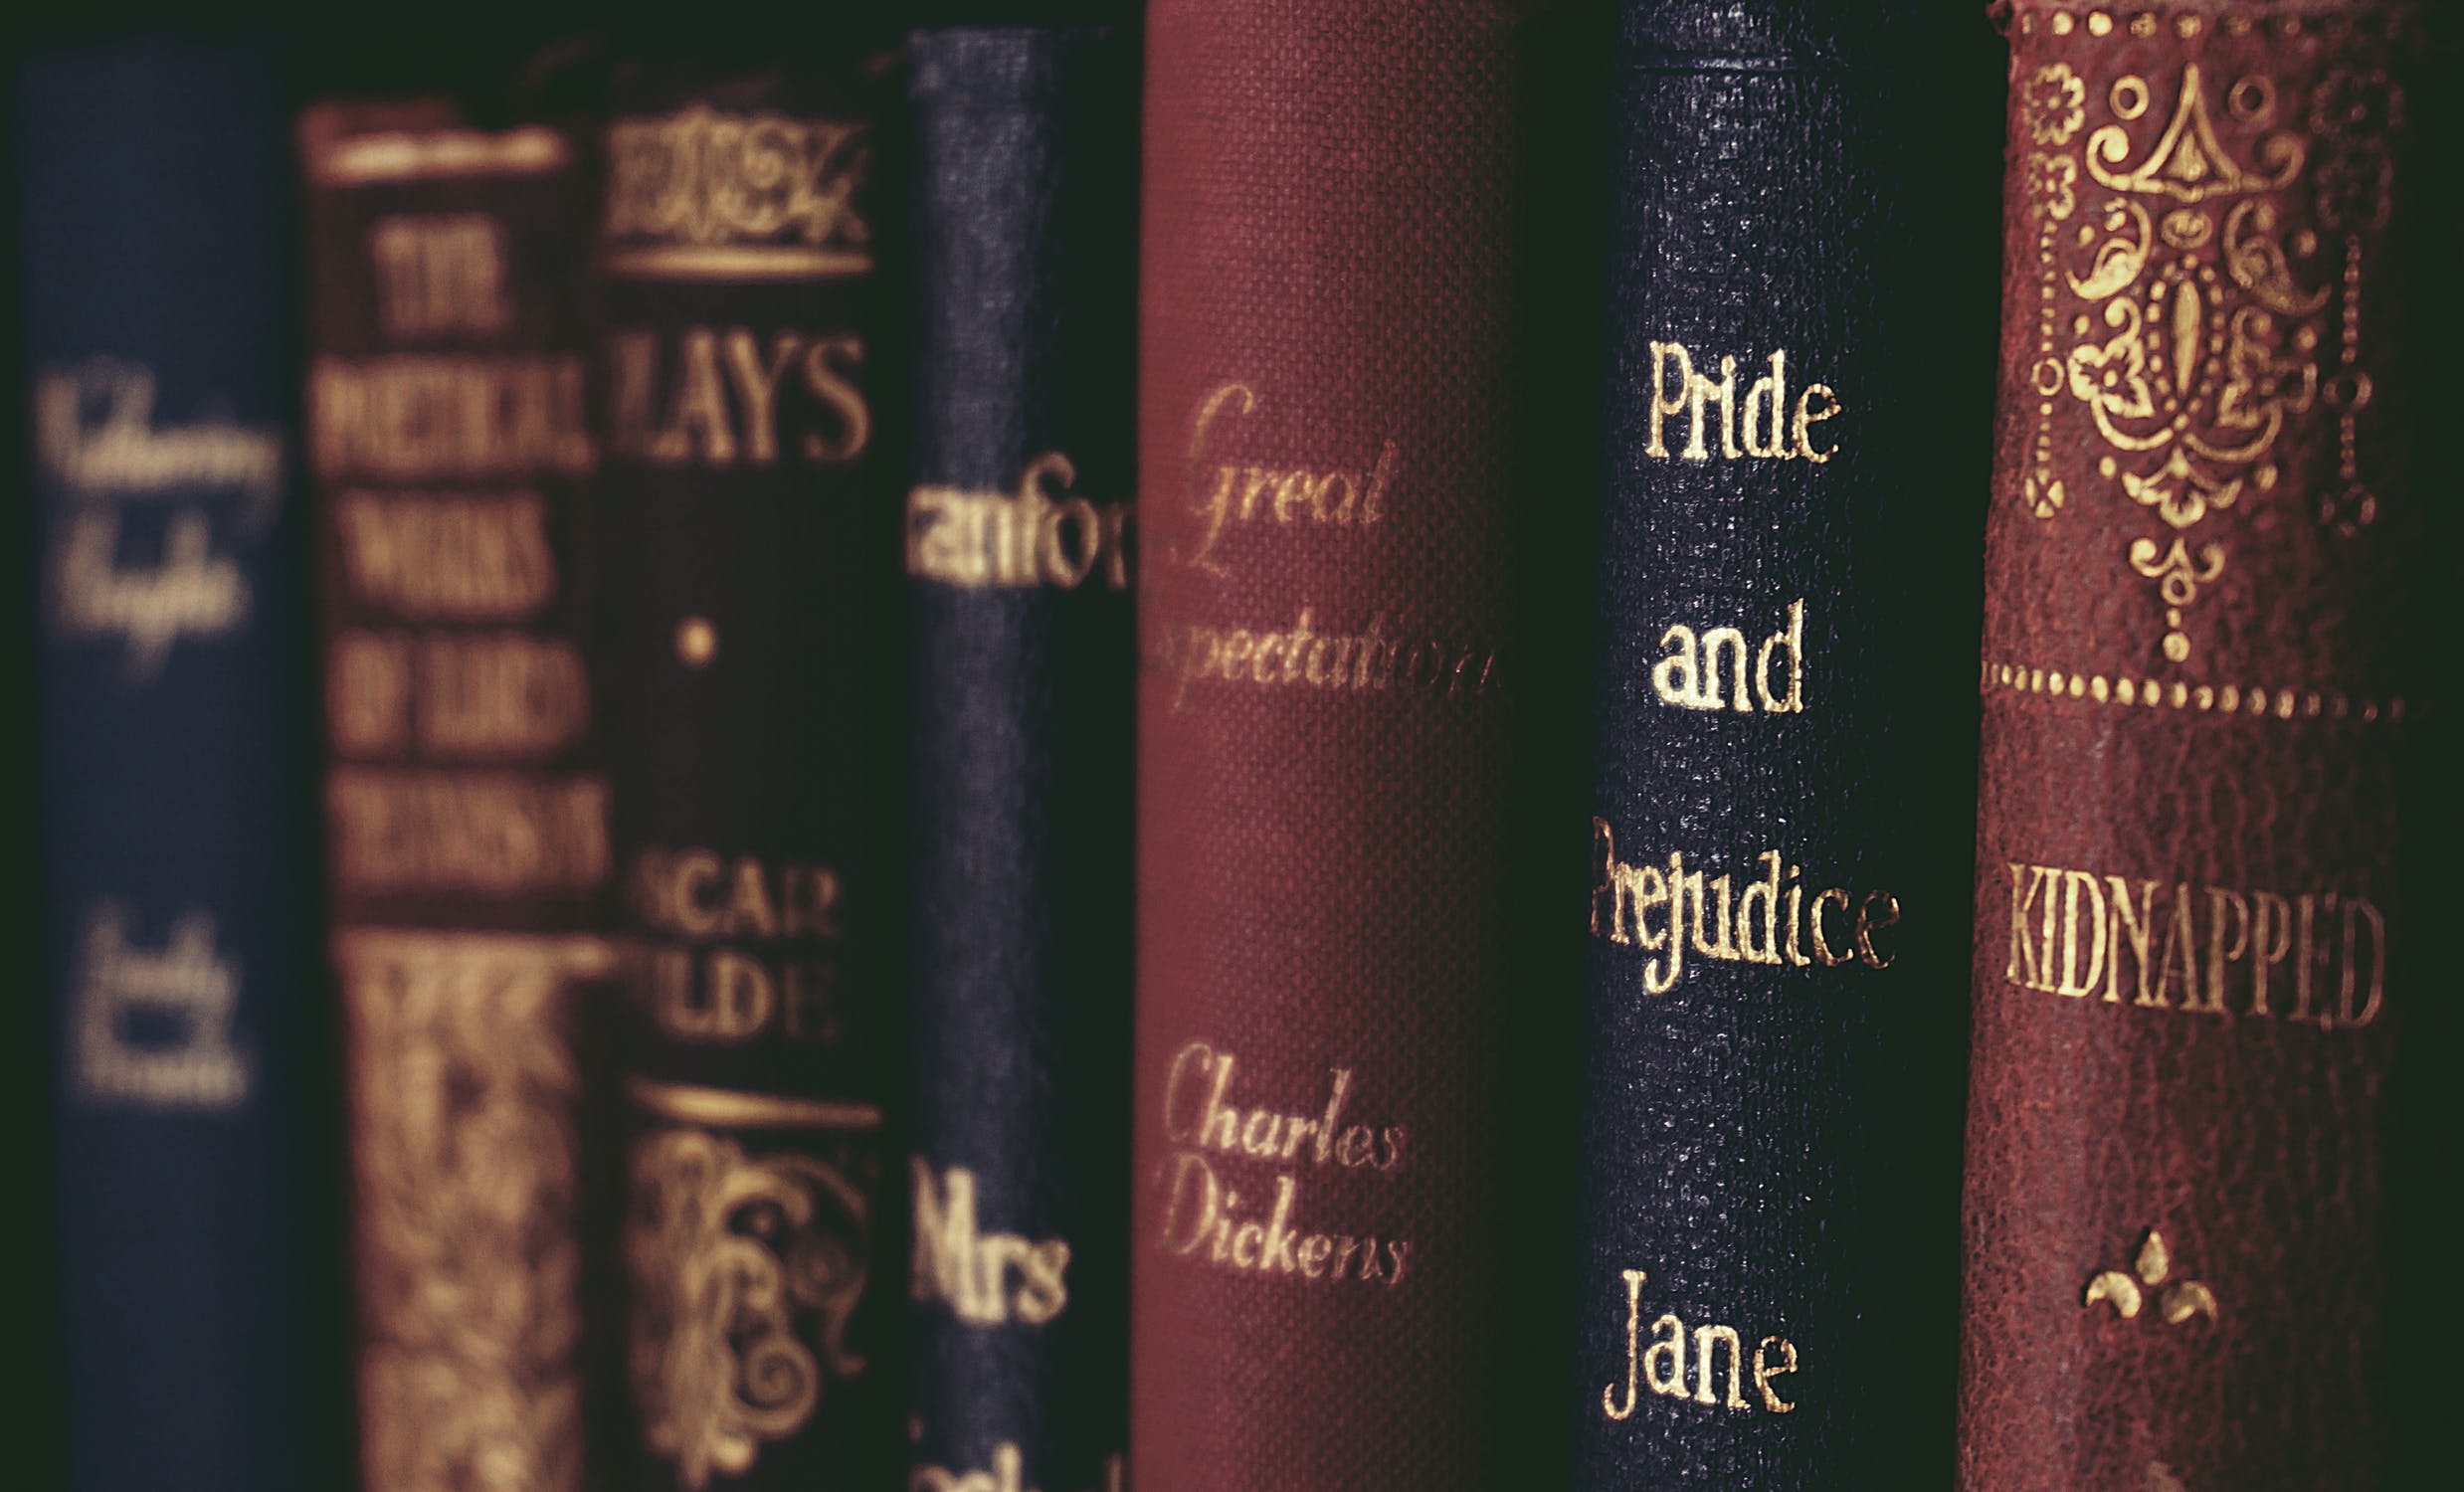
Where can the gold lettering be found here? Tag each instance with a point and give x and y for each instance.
(1634, 1361)
(756, 379)
(2359, 914)
(2218, 954)
(439, 275)
(2132, 923)
(2063, 942)
(498, 833)
(1663, 1362)
(2023, 971)
(2181, 951)
(1707, 1341)
(1677, 389)
(411, 417)
(459, 558)
(1764, 1373)
(830, 366)
(2074, 883)
(2268, 910)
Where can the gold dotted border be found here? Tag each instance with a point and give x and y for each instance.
(2256, 702)
(2147, 23)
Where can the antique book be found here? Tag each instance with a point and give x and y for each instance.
(155, 213)
(1025, 243)
(2199, 693)
(1328, 411)
(1782, 788)
(751, 552)
(466, 801)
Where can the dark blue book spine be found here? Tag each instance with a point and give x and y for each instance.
(1023, 689)
(1799, 297)
(156, 226)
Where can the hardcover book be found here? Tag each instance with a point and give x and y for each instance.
(1024, 683)
(751, 549)
(465, 803)
(2199, 687)
(1780, 823)
(1322, 1265)
(179, 878)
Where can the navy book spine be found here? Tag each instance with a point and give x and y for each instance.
(1022, 698)
(177, 872)
(1800, 298)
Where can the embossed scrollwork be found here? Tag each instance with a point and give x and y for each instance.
(745, 1272)
(2214, 314)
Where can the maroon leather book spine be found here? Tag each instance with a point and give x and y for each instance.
(465, 798)
(1326, 428)
(2191, 929)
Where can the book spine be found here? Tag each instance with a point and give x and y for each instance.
(752, 551)
(2191, 951)
(1780, 813)
(177, 866)
(465, 803)
(1327, 416)
(1025, 241)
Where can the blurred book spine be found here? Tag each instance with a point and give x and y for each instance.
(751, 548)
(467, 808)
(155, 220)
(1024, 202)
(1323, 1248)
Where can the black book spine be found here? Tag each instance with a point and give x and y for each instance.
(191, 1106)
(1026, 174)
(1797, 354)
(750, 545)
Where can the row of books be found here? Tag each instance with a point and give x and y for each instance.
(626, 809)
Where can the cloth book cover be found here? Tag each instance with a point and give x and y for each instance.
(1799, 318)
(155, 219)
(1018, 548)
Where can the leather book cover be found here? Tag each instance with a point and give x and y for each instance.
(178, 867)
(2200, 688)
(750, 544)
(466, 800)
(1025, 242)
(1799, 317)
(1322, 1258)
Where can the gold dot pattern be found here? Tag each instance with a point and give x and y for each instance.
(2258, 701)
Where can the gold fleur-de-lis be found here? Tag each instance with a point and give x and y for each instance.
(2160, 1478)
(2177, 1302)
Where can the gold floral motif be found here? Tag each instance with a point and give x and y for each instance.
(2160, 1478)
(705, 194)
(2053, 104)
(463, 1145)
(2198, 321)
(745, 1270)
(2180, 1300)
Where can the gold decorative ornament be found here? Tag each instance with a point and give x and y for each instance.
(745, 1269)
(2177, 1302)
(465, 1142)
(2187, 307)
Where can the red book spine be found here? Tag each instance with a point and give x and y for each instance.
(2190, 956)
(1325, 419)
